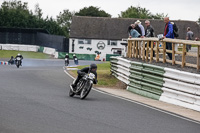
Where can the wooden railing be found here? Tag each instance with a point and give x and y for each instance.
(137, 48)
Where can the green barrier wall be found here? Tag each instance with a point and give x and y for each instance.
(146, 80)
(61, 55)
(110, 55)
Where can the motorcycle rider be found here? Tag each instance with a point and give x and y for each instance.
(11, 61)
(92, 68)
(67, 59)
(75, 59)
(21, 58)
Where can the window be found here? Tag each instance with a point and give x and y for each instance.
(84, 41)
(112, 43)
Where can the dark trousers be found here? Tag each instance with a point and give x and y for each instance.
(169, 47)
(77, 80)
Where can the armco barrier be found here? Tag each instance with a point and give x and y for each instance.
(164, 84)
(50, 51)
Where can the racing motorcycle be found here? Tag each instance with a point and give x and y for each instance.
(18, 60)
(83, 86)
(66, 61)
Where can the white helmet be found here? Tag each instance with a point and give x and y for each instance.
(18, 54)
(74, 55)
(66, 54)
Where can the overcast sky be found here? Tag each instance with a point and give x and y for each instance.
(176, 9)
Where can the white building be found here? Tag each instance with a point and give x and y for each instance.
(96, 35)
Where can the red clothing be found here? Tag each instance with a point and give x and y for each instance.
(165, 33)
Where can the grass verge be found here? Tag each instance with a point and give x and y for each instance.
(25, 54)
(105, 79)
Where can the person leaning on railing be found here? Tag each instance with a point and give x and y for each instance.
(149, 32)
(132, 32)
(168, 33)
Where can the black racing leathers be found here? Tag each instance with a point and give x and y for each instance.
(82, 72)
(21, 57)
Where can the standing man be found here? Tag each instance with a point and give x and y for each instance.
(149, 32)
(189, 36)
(168, 33)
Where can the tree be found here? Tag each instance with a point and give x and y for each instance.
(64, 19)
(38, 11)
(138, 12)
(93, 12)
(15, 14)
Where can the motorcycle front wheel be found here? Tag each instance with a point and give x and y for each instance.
(86, 89)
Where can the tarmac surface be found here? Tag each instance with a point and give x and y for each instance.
(34, 99)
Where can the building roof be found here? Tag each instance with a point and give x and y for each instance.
(116, 28)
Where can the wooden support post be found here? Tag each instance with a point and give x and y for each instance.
(157, 51)
(136, 49)
(143, 50)
(173, 54)
(164, 52)
(129, 44)
(151, 54)
(147, 51)
(139, 45)
(133, 48)
(198, 57)
(183, 55)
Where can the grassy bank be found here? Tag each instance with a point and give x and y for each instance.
(105, 79)
(25, 54)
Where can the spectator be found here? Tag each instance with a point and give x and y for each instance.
(141, 28)
(133, 32)
(149, 32)
(129, 30)
(189, 36)
(137, 28)
(168, 33)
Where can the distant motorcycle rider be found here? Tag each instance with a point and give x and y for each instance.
(75, 59)
(21, 58)
(11, 61)
(92, 68)
(66, 59)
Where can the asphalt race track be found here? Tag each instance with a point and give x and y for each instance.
(34, 99)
